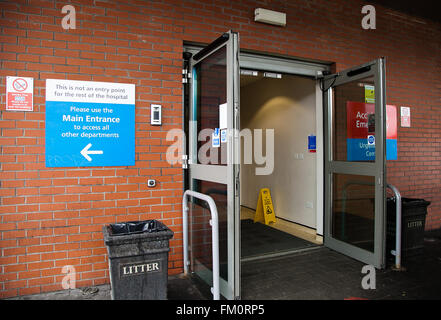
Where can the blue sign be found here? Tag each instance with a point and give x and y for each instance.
(89, 133)
(223, 134)
(360, 150)
(363, 150)
(216, 138)
(312, 145)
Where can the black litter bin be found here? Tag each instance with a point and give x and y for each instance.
(138, 259)
(413, 221)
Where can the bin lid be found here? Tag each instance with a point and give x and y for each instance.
(410, 201)
(133, 227)
(133, 231)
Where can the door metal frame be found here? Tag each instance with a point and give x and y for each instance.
(272, 63)
(376, 169)
(228, 175)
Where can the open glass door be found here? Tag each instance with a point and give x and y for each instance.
(355, 158)
(213, 165)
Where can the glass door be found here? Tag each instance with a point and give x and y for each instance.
(213, 165)
(355, 158)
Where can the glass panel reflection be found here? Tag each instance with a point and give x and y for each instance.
(354, 121)
(200, 229)
(210, 78)
(353, 210)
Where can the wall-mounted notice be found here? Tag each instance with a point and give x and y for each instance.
(19, 94)
(89, 123)
(360, 142)
(312, 143)
(223, 124)
(215, 138)
(369, 94)
(405, 117)
(223, 134)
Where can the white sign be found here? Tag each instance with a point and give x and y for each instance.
(405, 117)
(371, 140)
(223, 124)
(89, 91)
(19, 94)
(223, 134)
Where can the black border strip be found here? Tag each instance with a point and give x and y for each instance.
(216, 43)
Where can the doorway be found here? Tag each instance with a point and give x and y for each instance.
(279, 109)
(215, 112)
(219, 65)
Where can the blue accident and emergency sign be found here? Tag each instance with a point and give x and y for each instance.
(360, 142)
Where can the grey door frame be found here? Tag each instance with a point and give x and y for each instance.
(229, 174)
(271, 63)
(375, 169)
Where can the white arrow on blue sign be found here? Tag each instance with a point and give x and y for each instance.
(85, 152)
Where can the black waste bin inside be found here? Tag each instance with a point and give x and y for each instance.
(413, 221)
(138, 259)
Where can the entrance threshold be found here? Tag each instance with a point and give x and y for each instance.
(279, 254)
(295, 229)
(260, 241)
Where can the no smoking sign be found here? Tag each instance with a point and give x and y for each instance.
(19, 94)
(20, 84)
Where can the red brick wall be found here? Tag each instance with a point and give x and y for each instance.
(53, 217)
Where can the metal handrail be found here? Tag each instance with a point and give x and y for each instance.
(398, 216)
(214, 223)
(397, 252)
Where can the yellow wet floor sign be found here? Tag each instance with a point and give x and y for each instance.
(265, 210)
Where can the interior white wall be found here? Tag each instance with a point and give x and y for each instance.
(288, 106)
